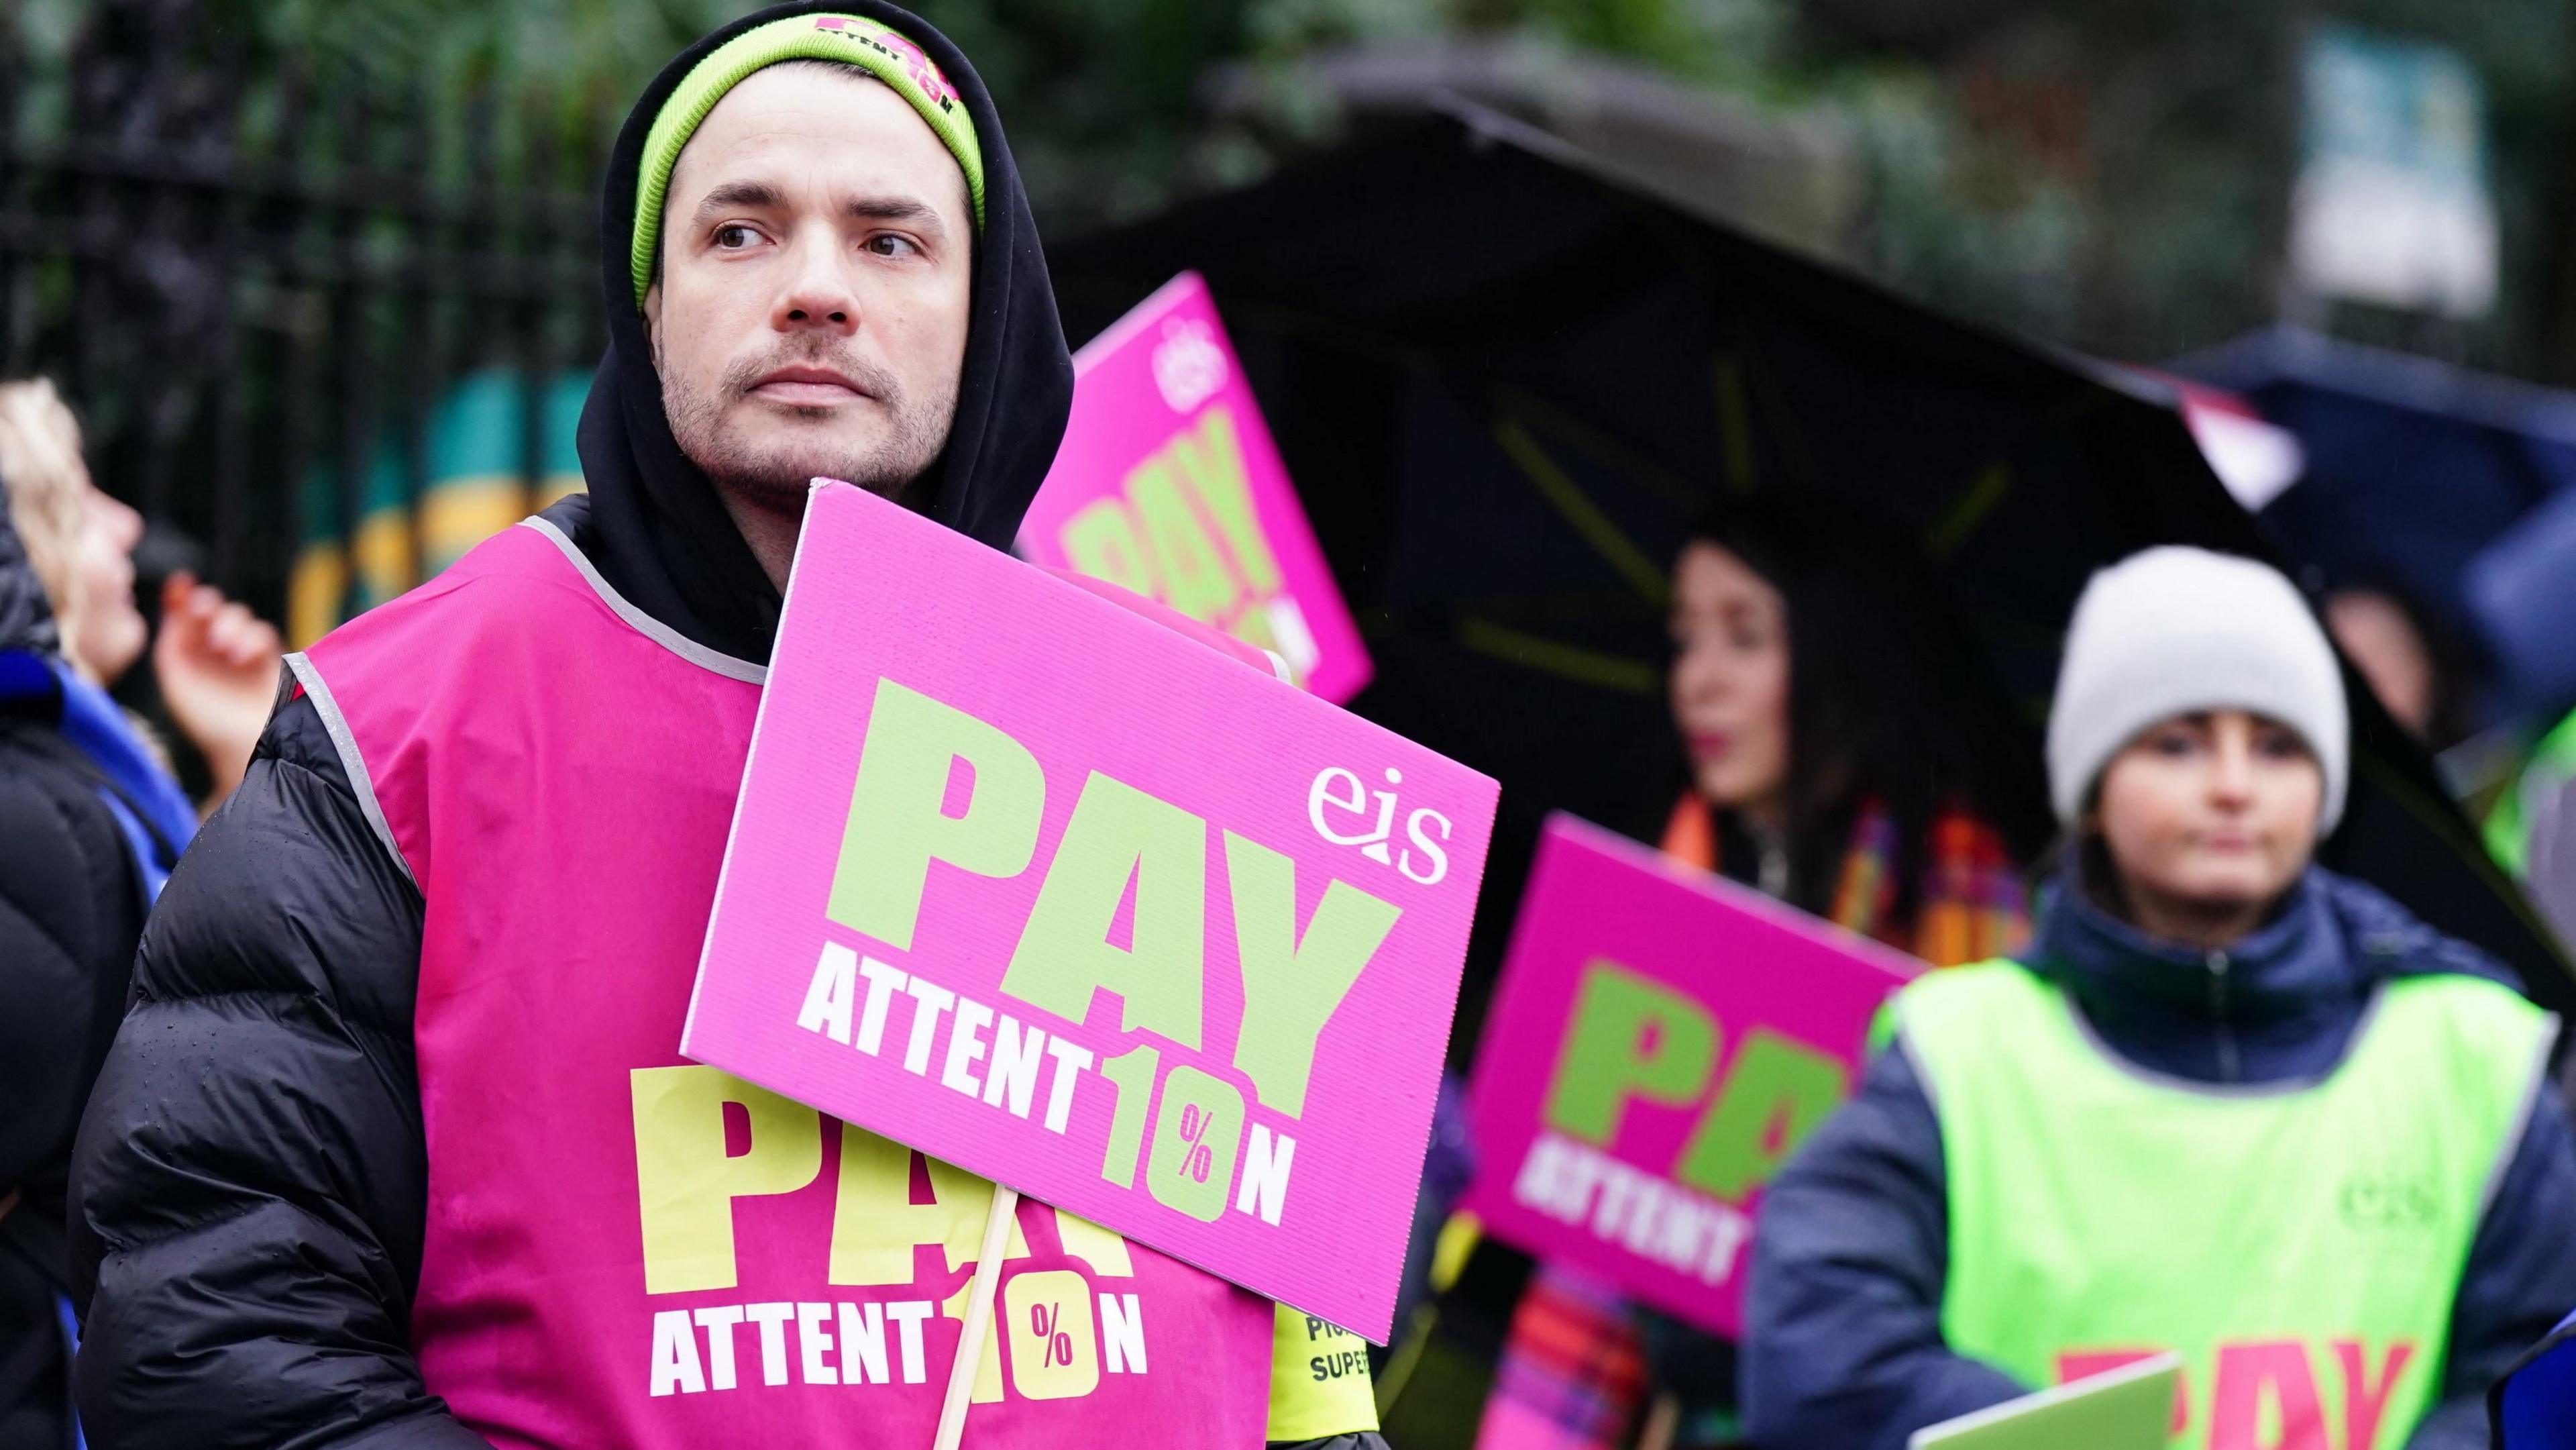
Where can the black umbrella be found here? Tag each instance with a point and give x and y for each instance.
(1506, 380)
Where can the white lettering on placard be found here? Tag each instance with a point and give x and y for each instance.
(1070, 1062)
(930, 1002)
(1265, 1173)
(883, 982)
(1682, 1230)
(1011, 1057)
(827, 997)
(1188, 364)
(1434, 858)
(966, 1047)
(1350, 823)
(1350, 798)
(1013, 1076)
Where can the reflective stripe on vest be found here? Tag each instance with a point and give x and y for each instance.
(2299, 1244)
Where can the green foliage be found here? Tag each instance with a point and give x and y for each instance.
(2116, 176)
(1107, 98)
(2112, 174)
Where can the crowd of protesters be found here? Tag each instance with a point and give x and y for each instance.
(312, 1141)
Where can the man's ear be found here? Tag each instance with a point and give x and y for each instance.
(653, 321)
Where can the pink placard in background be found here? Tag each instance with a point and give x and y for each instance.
(1167, 484)
(1660, 1042)
(1058, 895)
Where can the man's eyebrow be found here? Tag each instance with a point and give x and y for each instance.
(758, 195)
(895, 209)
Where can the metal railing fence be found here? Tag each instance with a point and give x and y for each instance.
(262, 282)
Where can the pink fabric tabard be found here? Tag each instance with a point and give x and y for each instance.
(627, 1249)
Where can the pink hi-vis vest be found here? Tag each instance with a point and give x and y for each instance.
(625, 1248)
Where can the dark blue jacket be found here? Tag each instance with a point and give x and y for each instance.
(2534, 1406)
(1843, 1344)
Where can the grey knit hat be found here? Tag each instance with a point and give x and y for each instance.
(2171, 630)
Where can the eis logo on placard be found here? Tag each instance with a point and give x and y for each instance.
(1189, 367)
(1347, 813)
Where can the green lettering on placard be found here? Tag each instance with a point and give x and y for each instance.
(1213, 463)
(1630, 1037)
(1291, 986)
(1132, 1073)
(1100, 540)
(1777, 1093)
(1195, 580)
(898, 825)
(1120, 833)
(1198, 1131)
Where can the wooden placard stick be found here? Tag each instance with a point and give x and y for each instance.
(979, 1318)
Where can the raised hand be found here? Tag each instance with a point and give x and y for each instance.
(217, 664)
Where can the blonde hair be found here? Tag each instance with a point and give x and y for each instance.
(47, 487)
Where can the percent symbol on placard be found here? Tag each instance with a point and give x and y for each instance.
(1043, 1319)
(1194, 1131)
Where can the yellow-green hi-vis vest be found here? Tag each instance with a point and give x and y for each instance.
(2298, 1246)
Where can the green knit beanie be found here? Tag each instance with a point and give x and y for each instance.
(852, 40)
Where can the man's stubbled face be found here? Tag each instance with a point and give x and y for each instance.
(811, 311)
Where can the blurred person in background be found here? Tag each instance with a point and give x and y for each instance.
(2419, 670)
(2227, 1103)
(91, 822)
(396, 1147)
(2531, 828)
(1843, 757)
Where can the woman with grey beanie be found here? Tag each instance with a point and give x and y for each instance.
(2227, 1103)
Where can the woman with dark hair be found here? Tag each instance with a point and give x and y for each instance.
(1849, 754)
(1847, 750)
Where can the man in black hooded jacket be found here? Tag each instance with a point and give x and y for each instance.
(255, 1176)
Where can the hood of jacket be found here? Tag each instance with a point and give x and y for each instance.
(26, 615)
(653, 523)
(2276, 1005)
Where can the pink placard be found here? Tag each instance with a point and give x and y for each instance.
(1660, 1042)
(1167, 484)
(1054, 893)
